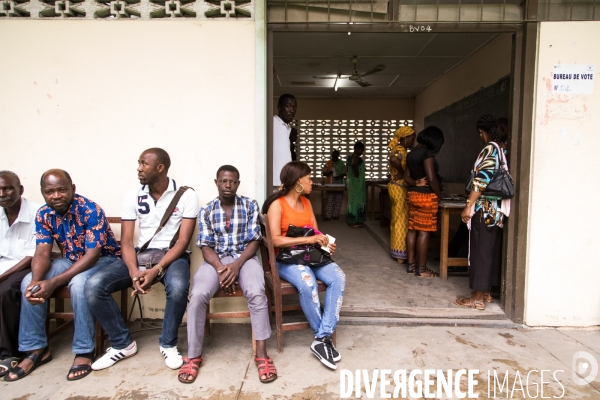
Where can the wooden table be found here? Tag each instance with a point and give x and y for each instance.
(371, 185)
(448, 207)
(327, 188)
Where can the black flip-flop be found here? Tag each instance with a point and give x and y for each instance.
(38, 360)
(8, 363)
(87, 369)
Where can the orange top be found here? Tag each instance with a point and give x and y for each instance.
(291, 216)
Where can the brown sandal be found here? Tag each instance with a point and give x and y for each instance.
(424, 272)
(470, 303)
(487, 297)
(189, 368)
(266, 367)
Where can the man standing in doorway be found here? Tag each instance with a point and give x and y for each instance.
(286, 107)
(148, 204)
(17, 245)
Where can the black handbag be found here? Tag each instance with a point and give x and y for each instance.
(307, 254)
(501, 184)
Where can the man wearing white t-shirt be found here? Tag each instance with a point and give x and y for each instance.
(286, 107)
(148, 205)
(17, 246)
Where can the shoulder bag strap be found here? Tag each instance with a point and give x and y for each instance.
(501, 157)
(166, 217)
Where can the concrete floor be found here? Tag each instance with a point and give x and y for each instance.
(379, 329)
(229, 373)
(377, 286)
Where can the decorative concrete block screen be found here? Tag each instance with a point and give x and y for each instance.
(318, 138)
(144, 9)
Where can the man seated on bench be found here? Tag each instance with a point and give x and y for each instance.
(17, 245)
(228, 234)
(88, 244)
(158, 202)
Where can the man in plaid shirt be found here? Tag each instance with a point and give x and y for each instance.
(228, 234)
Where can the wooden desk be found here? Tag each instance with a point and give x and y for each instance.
(448, 207)
(327, 188)
(371, 185)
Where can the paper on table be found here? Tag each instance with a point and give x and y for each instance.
(331, 241)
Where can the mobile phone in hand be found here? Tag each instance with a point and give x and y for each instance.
(331, 241)
(34, 289)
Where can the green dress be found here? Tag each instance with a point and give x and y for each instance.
(357, 193)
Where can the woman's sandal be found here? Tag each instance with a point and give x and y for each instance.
(424, 272)
(189, 368)
(401, 260)
(266, 367)
(411, 267)
(487, 297)
(8, 363)
(86, 368)
(37, 359)
(470, 303)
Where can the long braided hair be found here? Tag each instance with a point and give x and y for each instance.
(489, 124)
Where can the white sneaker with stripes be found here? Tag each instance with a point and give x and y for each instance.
(172, 357)
(112, 356)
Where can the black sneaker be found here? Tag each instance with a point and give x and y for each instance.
(323, 350)
(336, 354)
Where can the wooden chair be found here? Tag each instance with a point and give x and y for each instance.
(64, 320)
(277, 288)
(227, 314)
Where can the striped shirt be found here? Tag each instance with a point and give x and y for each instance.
(243, 229)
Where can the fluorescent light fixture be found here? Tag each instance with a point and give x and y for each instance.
(337, 79)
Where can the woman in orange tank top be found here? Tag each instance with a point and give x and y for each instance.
(289, 206)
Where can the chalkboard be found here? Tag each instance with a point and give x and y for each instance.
(459, 124)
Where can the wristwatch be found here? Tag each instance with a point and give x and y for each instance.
(161, 271)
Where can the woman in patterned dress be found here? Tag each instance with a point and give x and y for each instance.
(404, 138)
(484, 215)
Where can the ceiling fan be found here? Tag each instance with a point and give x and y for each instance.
(355, 77)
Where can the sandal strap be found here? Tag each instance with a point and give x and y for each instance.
(190, 365)
(430, 272)
(33, 357)
(18, 371)
(265, 366)
(80, 367)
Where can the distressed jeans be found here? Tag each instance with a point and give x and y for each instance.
(115, 277)
(32, 329)
(304, 279)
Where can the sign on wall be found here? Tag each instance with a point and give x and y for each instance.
(573, 79)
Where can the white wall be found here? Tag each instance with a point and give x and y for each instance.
(90, 96)
(562, 270)
(485, 67)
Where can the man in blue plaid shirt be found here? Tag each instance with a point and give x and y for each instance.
(228, 234)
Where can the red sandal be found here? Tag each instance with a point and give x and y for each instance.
(190, 368)
(266, 367)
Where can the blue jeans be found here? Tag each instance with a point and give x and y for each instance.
(115, 277)
(304, 279)
(32, 330)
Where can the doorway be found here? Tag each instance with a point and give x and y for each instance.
(409, 78)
